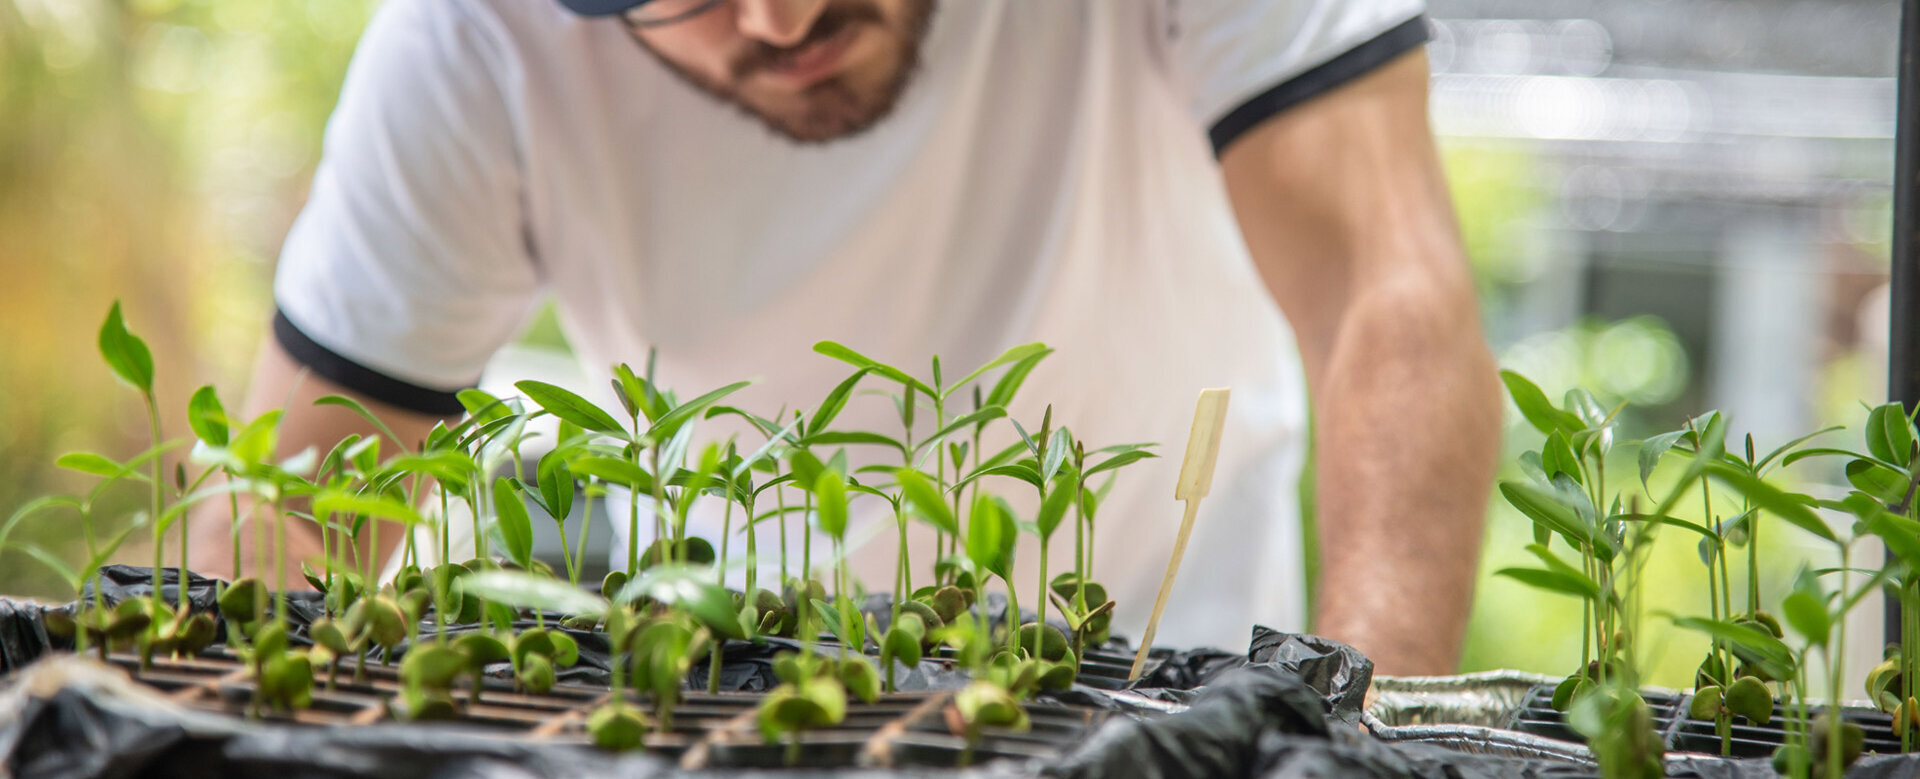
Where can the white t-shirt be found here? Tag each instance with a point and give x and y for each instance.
(1047, 176)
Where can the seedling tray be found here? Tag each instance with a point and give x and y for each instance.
(1507, 713)
(709, 730)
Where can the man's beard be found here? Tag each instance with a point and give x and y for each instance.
(833, 108)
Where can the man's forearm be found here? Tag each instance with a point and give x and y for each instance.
(1407, 414)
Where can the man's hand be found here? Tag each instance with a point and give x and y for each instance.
(1346, 213)
(279, 381)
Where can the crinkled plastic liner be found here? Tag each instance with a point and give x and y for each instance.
(1286, 708)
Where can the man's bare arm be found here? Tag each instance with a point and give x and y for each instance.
(279, 382)
(1346, 213)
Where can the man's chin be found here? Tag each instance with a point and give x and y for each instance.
(828, 117)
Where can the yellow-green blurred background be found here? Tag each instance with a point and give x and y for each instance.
(1678, 203)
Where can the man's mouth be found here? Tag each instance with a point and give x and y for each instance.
(813, 61)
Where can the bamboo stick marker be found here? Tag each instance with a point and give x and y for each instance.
(1196, 478)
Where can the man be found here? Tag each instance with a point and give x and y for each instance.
(733, 180)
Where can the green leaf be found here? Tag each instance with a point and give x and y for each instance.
(1751, 644)
(806, 468)
(1009, 383)
(1807, 615)
(354, 406)
(851, 437)
(1551, 581)
(74, 579)
(1884, 435)
(1652, 449)
(990, 535)
(766, 426)
(691, 588)
(1557, 456)
(1588, 588)
(1883, 483)
(1539, 411)
(1033, 351)
(96, 465)
(1820, 451)
(1025, 470)
(612, 469)
(982, 416)
(830, 499)
(1773, 500)
(207, 417)
(511, 520)
(1058, 448)
(835, 401)
(926, 500)
(774, 442)
(1546, 508)
(1901, 535)
(334, 501)
(1054, 508)
(125, 353)
(532, 591)
(556, 485)
(1119, 460)
(481, 406)
(858, 360)
(1790, 445)
(570, 407)
(669, 423)
(35, 506)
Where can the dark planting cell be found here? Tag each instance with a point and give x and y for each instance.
(709, 730)
(1537, 717)
(1698, 735)
(1687, 734)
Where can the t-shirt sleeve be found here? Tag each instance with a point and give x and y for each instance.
(1240, 62)
(409, 266)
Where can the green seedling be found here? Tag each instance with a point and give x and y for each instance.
(810, 695)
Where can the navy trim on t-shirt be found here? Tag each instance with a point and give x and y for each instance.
(1356, 62)
(361, 379)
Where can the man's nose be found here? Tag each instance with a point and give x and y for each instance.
(780, 23)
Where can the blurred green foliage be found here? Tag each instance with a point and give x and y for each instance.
(151, 151)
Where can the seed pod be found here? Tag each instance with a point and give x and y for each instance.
(612, 584)
(1059, 676)
(418, 705)
(243, 600)
(1706, 703)
(59, 623)
(983, 703)
(432, 666)
(1750, 698)
(287, 680)
(948, 604)
(470, 610)
(533, 641)
(270, 641)
(386, 625)
(325, 632)
(566, 651)
(198, 634)
(1053, 644)
(536, 673)
(616, 727)
(414, 604)
(481, 649)
(126, 626)
(859, 678)
(408, 579)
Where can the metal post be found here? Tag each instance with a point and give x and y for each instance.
(1903, 369)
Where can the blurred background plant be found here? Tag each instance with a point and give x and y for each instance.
(1680, 204)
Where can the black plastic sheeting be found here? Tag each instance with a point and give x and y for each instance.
(1285, 709)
